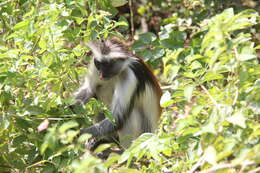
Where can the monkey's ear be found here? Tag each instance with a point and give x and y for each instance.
(95, 48)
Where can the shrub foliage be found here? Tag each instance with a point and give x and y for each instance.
(203, 52)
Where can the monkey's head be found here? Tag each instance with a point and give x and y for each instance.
(110, 57)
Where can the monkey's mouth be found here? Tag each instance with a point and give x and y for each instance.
(102, 76)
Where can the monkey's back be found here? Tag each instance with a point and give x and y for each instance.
(144, 116)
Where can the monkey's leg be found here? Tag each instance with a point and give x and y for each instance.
(93, 143)
(111, 138)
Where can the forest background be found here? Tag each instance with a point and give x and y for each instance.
(205, 54)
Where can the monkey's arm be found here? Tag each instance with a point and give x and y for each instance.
(81, 97)
(121, 108)
(103, 128)
(85, 92)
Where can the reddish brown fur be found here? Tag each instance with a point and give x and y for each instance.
(125, 47)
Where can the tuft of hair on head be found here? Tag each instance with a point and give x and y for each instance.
(111, 47)
(94, 45)
(118, 48)
(120, 42)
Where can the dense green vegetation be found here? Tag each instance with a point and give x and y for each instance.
(203, 52)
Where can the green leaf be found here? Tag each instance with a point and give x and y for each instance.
(188, 92)
(242, 20)
(124, 157)
(197, 109)
(257, 47)
(4, 123)
(193, 57)
(42, 44)
(19, 140)
(102, 147)
(125, 26)
(213, 76)
(112, 159)
(84, 137)
(118, 3)
(67, 125)
(79, 20)
(174, 71)
(121, 23)
(209, 128)
(147, 38)
(21, 25)
(195, 65)
(22, 123)
(47, 59)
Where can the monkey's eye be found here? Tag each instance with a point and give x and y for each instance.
(113, 61)
(120, 59)
(97, 63)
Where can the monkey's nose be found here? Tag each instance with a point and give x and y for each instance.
(101, 75)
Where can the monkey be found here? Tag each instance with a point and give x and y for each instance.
(123, 82)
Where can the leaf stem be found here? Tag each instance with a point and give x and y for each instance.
(211, 98)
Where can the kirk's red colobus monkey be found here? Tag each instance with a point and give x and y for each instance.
(127, 86)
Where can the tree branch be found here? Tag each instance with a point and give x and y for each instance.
(225, 166)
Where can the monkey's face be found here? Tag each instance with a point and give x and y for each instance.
(108, 68)
(110, 57)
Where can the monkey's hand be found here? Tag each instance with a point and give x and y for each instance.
(91, 144)
(81, 98)
(76, 107)
(98, 130)
(103, 128)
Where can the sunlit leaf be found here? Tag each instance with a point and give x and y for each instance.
(238, 119)
(4, 123)
(188, 92)
(246, 57)
(166, 99)
(102, 147)
(21, 25)
(47, 59)
(118, 3)
(210, 155)
(213, 76)
(67, 125)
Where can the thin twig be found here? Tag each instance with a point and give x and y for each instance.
(131, 17)
(211, 98)
(199, 163)
(236, 53)
(255, 170)
(53, 119)
(144, 25)
(218, 167)
(236, 96)
(237, 92)
(166, 87)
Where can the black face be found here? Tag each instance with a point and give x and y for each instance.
(109, 68)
